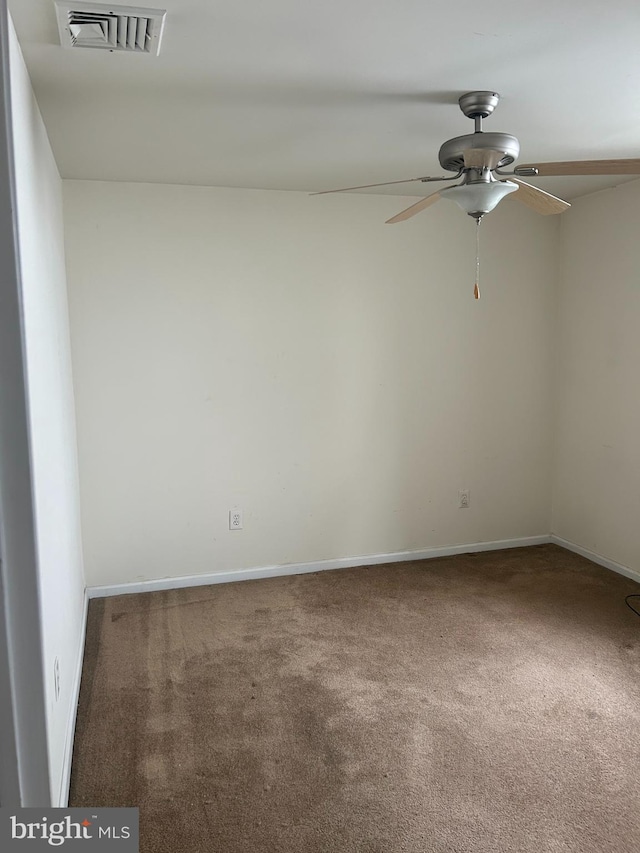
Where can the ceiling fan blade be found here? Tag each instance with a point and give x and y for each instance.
(586, 167)
(368, 186)
(537, 199)
(408, 212)
(481, 158)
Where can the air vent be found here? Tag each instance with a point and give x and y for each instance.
(110, 27)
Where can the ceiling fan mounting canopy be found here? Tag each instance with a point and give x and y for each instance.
(478, 104)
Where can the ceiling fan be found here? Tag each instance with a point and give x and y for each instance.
(480, 158)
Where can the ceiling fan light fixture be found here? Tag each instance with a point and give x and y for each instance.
(479, 197)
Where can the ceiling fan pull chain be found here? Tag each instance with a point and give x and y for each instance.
(476, 287)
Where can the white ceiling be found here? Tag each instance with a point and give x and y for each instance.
(304, 95)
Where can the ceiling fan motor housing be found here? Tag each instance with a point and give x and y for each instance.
(451, 154)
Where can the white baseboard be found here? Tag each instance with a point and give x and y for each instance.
(303, 568)
(63, 797)
(595, 558)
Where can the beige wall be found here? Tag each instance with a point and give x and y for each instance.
(295, 357)
(596, 502)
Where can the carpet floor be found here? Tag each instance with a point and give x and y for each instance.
(483, 703)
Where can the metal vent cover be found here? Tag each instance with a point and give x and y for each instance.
(95, 25)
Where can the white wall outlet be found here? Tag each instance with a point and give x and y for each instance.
(463, 499)
(235, 519)
(56, 679)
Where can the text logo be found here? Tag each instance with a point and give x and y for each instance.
(109, 829)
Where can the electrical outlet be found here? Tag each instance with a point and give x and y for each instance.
(463, 499)
(56, 679)
(235, 519)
